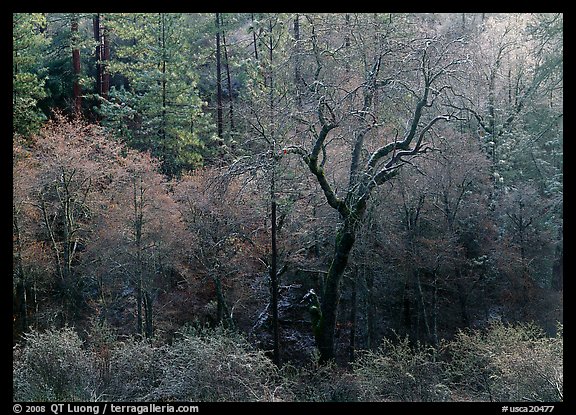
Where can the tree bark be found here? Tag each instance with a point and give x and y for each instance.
(326, 326)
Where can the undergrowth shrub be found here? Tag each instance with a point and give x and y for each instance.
(215, 365)
(507, 363)
(501, 363)
(398, 371)
(53, 366)
(135, 369)
(315, 383)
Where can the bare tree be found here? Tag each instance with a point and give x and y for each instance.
(346, 110)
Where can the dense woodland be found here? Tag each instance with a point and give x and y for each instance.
(287, 207)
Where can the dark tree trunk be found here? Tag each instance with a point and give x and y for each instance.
(274, 276)
(353, 305)
(463, 299)
(21, 286)
(255, 43)
(370, 310)
(148, 314)
(222, 313)
(164, 80)
(76, 90)
(228, 77)
(297, 52)
(98, 53)
(219, 122)
(347, 39)
(326, 326)
(138, 202)
(558, 268)
(105, 61)
(102, 56)
(139, 325)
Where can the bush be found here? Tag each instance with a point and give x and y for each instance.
(314, 383)
(53, 366)
(398, 371)
(135, 369)
(503, 363)
(215, 365)
(507, 363)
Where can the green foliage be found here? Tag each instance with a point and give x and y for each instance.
(53, 366)
(28, 43)
(160, 110)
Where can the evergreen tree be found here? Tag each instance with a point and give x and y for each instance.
(28, 87)
(158, 108)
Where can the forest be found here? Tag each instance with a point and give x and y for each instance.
(301, 207)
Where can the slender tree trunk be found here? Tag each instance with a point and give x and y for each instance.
(254, 42)
(347, 39)
(49, 228)
(139, 325)
(371, 311)
(219, 122)
(462, 300)
(297, 61)
(76, 89)
(353, 306)
(98, 40)
(164, 80)
(105, 74)
(21, 285)
(274, 274)
(492, 111)
(558, 265)
(228, 77)
(138, 219)
(407, 310)
(148, 314)
(423, 305)
(67, 228)
(273, 206)
(435, 309)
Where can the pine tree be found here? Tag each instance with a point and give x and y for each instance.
(158, 108)
(28, 44)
